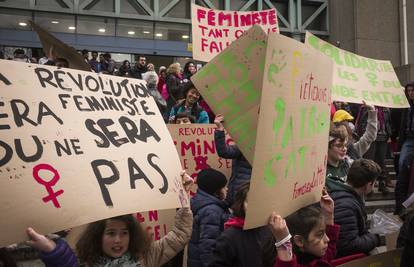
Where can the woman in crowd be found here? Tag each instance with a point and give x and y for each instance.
(189, 69)
(190, 105)
(125, 69)
(174, 85)
(118, 241)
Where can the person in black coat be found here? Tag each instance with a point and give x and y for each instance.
(243, 248)
(406, 240)
(350, 212)
(241, 168)
(210, 212)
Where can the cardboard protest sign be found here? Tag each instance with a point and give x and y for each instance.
(77, 147)
(59, 49)
(197, 150)
(292, 136)
(232, 83)
(387, 259)
(214, 30)
(358, 78)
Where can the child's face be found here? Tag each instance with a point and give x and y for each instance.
(115, 239)
(183, 120)
(337, 151)
(317, 242)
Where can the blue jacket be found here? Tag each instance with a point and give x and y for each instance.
(210, 214)
(61, 256)
(200, 115)
(241, 169)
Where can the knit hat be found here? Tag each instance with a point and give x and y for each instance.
(210, 180)
(342, 115)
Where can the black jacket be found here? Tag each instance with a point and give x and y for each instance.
(407, 256)
(210, 214)
(350, 214)
(235, 247)
(241, 171)
(136, 72)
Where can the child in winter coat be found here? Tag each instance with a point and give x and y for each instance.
(210, 212)
(243, 248)
(312, 238)
(117, 241)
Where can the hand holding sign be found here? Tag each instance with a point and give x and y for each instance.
(39, 241)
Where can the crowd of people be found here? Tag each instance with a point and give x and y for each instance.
(329, 233)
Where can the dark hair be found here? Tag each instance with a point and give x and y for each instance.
(18, 51)
(181, 115)
(85, 51)
(63, 61)
(363, 172)
(239, 198)
(303, 221)
(140, 56)
(107, 55)
(337, 132)
(94, 52)
(186, 72)
(89, 246)
(195, 109)
(6, 258)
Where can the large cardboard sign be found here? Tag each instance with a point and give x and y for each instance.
(214, 30)
(197, 150)
(232, 83)
(77, 147)
(387, 259)
(358, 78)
(292, 136)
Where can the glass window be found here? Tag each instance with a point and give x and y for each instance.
(172, 32)
(135, 29)
(133, 7)
(56, 22)
(53, 4)
(15, 19)
(96, 25)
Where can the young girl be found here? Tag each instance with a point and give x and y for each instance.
(118, 241)
(312, 238)
(210, 213)
(190, 105)
(243, 248)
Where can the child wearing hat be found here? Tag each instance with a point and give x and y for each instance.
(210, 212)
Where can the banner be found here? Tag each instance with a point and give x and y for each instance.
(358, 78)
(214, 30)
(292, 137)
(387, 259)
(197, 150)
(232, 83)
(77, 147)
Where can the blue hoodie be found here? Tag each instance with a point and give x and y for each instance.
(210, 214)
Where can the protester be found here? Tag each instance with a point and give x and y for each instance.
(125, 69)
(61, 63)
(241, 169)
(173, 85)
(151, 78)
(85, 55)
(162, 74)
(108, 64)
(20, 55)
(243, 248)
(406, 240)
(190, 105)
(118, 241)
(139, 68)
(210, 212)
(94, 63)
(350, 211)
(183, 118)
(338, 163)
(378, 149)
(189, 70)
(312, 238)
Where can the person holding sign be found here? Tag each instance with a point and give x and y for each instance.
(241, 169)
(350, 211)
(243, 248)
(190, 105)
(118, 241)
(210, 213)
(312, 238)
